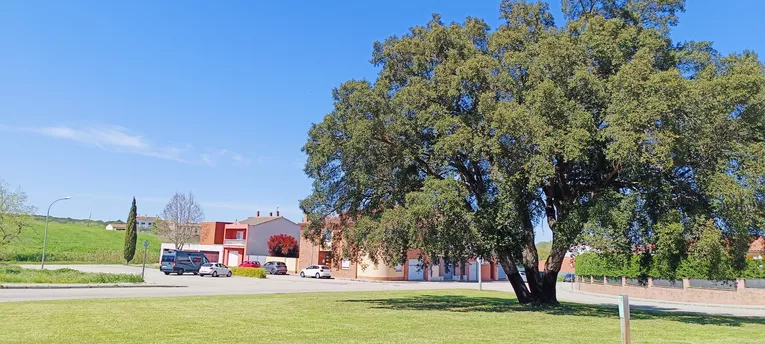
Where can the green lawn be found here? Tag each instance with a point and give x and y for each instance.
(76, 243)
(444, 316)
(15, 274)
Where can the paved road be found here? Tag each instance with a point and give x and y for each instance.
(201, 286)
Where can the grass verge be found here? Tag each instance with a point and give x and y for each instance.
(17, 274)
(76, 242)
(442, 316)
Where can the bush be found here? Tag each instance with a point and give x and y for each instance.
(592, 264)
(249, 272)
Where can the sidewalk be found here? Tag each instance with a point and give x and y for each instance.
(568, 294)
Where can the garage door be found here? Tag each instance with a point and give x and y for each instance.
(233, 258)
(416, 272)
(212, 256)
(473, 272)
(501, 275)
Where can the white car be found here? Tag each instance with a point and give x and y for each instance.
(214, 270)
(317, 271)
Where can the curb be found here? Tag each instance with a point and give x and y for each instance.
(89, 286)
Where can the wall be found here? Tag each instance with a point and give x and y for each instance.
(212, 233)
(367, 270)
(257, 238)
(740, 296)
(309, 254)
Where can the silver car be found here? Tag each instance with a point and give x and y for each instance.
(275, 268)
(214, 270)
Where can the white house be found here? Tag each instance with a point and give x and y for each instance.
(116, 227)
(144, 222)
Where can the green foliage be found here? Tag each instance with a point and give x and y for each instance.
(543, 249)
(75, 243)
(592, 264)
(707, 258)
(15, 214)
(131, 234)
(671, 249)
(16, 274)
(249, 272)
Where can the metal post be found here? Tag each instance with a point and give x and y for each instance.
(145, 246)
(624, 317)
(480, 285)
(45, 236)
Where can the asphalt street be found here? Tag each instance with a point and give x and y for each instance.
(193, 285)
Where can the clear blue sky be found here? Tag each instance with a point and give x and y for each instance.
(103, 100)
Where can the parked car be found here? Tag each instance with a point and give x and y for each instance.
(174, 261)
(317, 271)
(569, 278)
(250, 264)
(214, 270)
(275, 268)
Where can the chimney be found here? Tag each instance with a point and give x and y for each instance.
(257, 214)
(277, 213)
(270, 214)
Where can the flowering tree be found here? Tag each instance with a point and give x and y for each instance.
(282, 245)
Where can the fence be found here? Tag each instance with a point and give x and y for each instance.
(740, 291)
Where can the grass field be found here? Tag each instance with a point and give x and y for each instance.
(76, 243)
(444, 316)
(15, 274)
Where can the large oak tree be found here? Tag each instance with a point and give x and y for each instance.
(470, 138)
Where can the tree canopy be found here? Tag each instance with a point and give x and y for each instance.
(604, 128)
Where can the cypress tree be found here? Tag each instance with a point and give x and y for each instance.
(131, 234)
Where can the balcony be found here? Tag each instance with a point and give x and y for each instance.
(234, 242)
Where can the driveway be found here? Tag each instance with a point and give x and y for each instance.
(203, 286)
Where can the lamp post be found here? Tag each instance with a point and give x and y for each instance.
(45, 236)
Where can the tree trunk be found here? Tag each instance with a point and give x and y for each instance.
(552, 267)
(521, 292)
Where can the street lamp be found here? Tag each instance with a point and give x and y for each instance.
(45, 236)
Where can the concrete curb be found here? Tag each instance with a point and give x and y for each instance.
(86, 286)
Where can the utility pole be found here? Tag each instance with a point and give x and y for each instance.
(145, 246)
(89, 215)
(478, 262)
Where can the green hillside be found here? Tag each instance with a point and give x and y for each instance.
(76, 243)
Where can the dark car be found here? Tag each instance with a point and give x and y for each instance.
(275, 268)
(178, 262)
(569, 278)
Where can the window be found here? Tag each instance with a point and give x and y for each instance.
(168, 258)
(240, 235)
(196, 259)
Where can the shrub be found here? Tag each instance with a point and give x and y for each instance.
(249, 272)
(282, 245)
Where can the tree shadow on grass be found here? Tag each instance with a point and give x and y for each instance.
(456, 303)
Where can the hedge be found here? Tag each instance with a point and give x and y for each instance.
(592, 264)
(249, 272)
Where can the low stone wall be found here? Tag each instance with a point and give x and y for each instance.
(739, 295)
